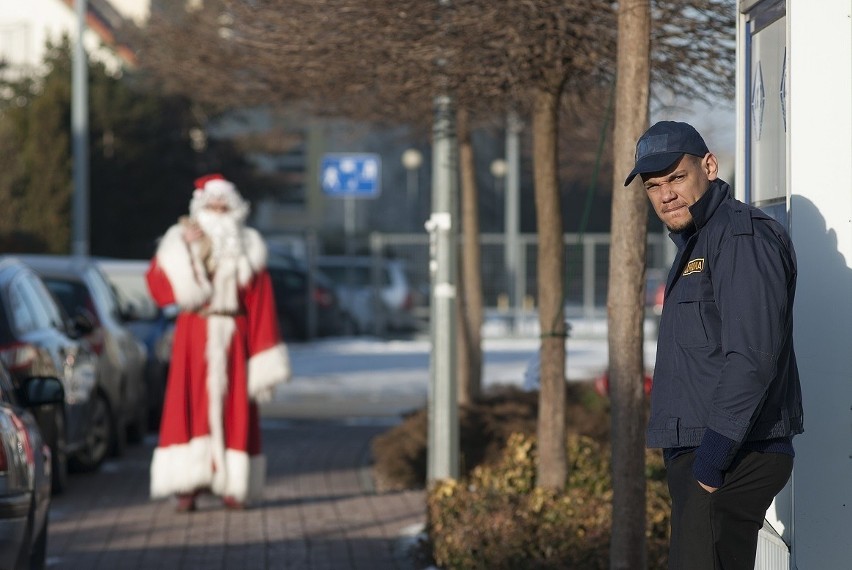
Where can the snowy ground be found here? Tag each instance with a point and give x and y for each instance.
(369, 377)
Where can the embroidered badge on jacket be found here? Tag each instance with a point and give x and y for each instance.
(694, 266)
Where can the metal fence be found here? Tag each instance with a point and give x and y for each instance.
(586, 268)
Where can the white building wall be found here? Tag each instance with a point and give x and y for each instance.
(136, 10)
(27, 25)
(820, 190)
(814, 514)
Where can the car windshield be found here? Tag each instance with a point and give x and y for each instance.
(72, 295)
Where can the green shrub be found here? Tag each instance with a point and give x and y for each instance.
(399, 454)
(494, 517)
(497, 518)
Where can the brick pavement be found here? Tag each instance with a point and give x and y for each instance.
(320, 512)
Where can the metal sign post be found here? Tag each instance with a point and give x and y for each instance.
(351, 176)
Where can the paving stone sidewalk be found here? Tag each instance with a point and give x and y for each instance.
(320, 512)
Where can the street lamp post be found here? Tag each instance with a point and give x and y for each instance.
(80, 137)
(442, 460)
(512, 215)
(412, 159)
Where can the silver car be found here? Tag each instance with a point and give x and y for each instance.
(25, 476)
(86, 294)
(376, 293)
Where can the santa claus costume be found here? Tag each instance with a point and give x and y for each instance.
(227, 353)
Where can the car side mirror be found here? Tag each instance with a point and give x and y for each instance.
(129, 313)
(40, 391)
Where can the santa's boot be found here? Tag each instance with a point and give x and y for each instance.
(233, 504)
(185, 502)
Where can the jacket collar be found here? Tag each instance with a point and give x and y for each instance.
(703, 210)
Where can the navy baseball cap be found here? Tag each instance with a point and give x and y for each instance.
(663, 144)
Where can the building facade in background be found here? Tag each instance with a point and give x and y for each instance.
(27, 27)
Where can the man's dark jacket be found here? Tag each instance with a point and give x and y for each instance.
(726, 375)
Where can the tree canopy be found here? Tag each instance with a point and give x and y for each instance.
(142, 164)
(385, 61)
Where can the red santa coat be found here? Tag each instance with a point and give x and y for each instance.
(227, 355)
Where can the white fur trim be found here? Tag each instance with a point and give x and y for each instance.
(188, 276)
(184, 270)
(220, 189)
(220, 330)
(268, 368)
(256, 251)
(234, 477)
(244, 477)
(188, 467)
(225, 295)
(181, 468)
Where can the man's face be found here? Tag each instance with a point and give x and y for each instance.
(675, 189)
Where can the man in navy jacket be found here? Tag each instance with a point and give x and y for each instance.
(726, 400)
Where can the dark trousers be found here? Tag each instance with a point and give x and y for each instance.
(718, 531)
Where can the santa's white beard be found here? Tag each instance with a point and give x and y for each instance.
(227, 263)
(223, 229)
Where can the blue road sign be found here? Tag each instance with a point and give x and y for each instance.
(351, 175)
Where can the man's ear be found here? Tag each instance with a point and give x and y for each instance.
(710, 166)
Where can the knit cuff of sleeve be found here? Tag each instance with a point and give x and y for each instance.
(712, 457)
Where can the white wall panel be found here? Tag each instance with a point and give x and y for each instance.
(820, 175)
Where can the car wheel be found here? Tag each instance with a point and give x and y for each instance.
(58, 457)
(38, 554)
(101, 437)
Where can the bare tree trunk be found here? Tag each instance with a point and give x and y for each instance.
(625, 303)
(552, 460)
(470, 275)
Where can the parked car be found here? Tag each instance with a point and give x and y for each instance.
(25, 476)
(38, 339)
(375, 292)
(85, 294)
(151, 325)
(291, 282)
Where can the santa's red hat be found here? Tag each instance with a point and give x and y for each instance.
(201, 181)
